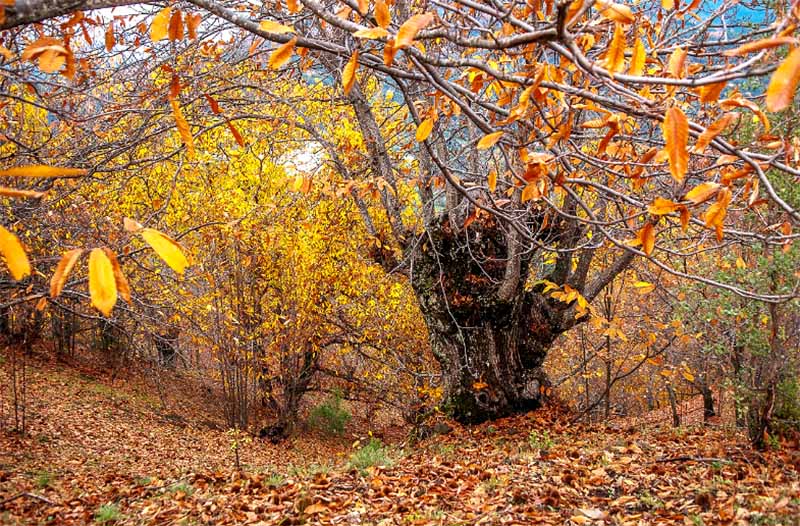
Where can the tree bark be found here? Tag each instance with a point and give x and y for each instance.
(490, 343)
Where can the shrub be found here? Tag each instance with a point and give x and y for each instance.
(540, 440)
(330, 417)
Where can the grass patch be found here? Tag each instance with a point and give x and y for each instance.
(107, 514)
(372, 454)
(43, 479)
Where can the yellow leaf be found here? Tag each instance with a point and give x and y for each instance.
(783, 83)
(382, 15)
(639, 58)
(371, 33)
(282, 54)
(270, 26)
(102, 285)
(492, 180)
(120, 280)
(487, 141)
(14, 192)
(183, 127)
(615, 55)
(160, 26)
(62, 271)
(668, 5)
(643, 287)
(424, 129)
(661, 206)
(167, 248)
(51, 61)
(712, 131)
(14, 254)
(39, 170)
(349, 73)
(701, 192)
(676, 136)
(689, 376)
(740, 264)
(363, 6)
(408, 31)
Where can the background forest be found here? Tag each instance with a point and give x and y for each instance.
(345, 221)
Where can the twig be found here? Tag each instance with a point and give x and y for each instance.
(30, 495)
(694, 459)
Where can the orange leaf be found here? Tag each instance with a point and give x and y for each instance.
(639, 58)
(192, 22)
(62, 271)
(487, 141)
(349, 73)
(14, 254)
(102, 285)
(14, 192)
(282, 54)
(371, 33)
(424, 129)
(120, 280)
(783, 83)
(408, 31)
(712, 131)
(615, 55)
(616, 12)
(661, 206)
(110, 40)
(647, 237)
(160, 26)
(294, 6)
(274, 27)
(363, 6)
(711, 92)
(382, 15)
(492, 180)
(236, 135)
(176, 26)
(389, 51)
(701, 192)
(40, 170)
(183, 127)
(758, 45)
(676, 136)
(677, 63)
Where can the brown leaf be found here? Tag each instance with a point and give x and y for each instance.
(62, 271)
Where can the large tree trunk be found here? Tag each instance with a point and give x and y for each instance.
(490, 342)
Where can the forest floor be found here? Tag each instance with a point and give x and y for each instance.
(103, 451)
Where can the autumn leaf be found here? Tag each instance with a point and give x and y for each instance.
(382, 15)
(676, 137)
(271, 26)
(615, 55)
(715, 215)
(702, 192)
(294, 6)
(183, 127)
(349, 73)
(661, 206)
(487, 141)
(176, 26)
(102, 285)
(110, 41)
(120, 280)
(371, 33)
(677, 63)
(12, 251)
(236, 135)
(758, 45)
(783, 83)
(408, 31)
(639, 58)
(645, 238)
(492, 180)
(424, 129)
(643, 287)
(616, 12)
(712, 131)
(40, 170)
(167, 248)
(130, 225)
(711, 92)
(14, 192)
(282, 54)
(64, 267)
(159, 28)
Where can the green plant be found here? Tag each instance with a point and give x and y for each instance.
(649, 502)
(276, 479)
(43, 479)
(329, 416)
(181, 487)
(372, 454)
(540, 440)
(697, 520)
(107, 513)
